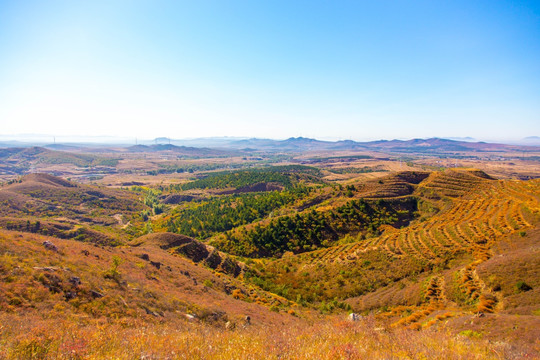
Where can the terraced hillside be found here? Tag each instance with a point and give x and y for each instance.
(480, 212)
(427, 267)
(450, 250)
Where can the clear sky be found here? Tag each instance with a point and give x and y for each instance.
(267, 68)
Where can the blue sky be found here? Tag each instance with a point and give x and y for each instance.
(325, 69)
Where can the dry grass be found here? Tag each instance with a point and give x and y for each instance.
(72, 338)
(34, 278)
(142, 312)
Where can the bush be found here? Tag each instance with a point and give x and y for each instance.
(522, 286)
(113, 272)
(471, 334)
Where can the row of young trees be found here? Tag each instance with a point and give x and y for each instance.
(309, 231)
(287, 176)
(191, 168)
(227, 212)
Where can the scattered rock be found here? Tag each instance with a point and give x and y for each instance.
(354, 317)
(75, 281)
(229, 289)
(229, 266)
(70, 295)
(150, 312)
(230, 325)
(247, 321)
(145, 257)
(218, 315)
(190, 317)
(49, 245)
(47, 268)
(96, 294)
(52, 282)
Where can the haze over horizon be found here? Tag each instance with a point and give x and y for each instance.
(46, 139)
(325, 70)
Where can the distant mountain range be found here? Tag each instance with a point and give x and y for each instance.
(227, 146)
(180, 150)
(433, 145)
(531, 140)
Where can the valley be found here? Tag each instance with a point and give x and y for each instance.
(174, 251)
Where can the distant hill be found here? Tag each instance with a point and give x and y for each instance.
(531, 141)
(22, 158)
(179, 150)
(226, 145)
(432, 145)
(466, 138)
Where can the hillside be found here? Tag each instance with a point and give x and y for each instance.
(430, 271)
(19, 160)
(450, 254)
(45, 204)
(139, 281)
(83, 301)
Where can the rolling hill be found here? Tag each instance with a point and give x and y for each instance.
(449, 255)
(430, 271)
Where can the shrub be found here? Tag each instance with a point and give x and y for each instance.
(522, 286)
(471, 334)
(237, 294)
(113, 272)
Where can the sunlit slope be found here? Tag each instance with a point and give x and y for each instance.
(481, 212)
(49, 205)
(476, 212)
(43, 276)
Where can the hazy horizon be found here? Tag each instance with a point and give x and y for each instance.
(110, 139)
(334, 70)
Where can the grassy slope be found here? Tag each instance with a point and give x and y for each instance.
(67, 210)
(70, 338)
(430, 266)
(37, 280)
(433, 275)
